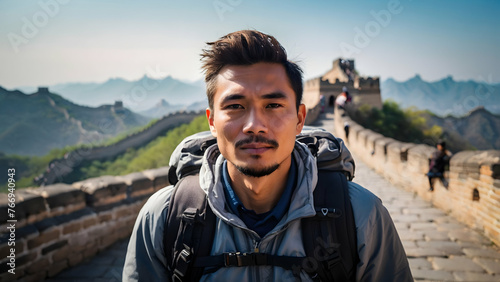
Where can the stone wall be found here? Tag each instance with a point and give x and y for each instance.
(58, 226)
(473, 195)
(312, 114)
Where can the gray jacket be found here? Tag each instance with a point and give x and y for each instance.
(382, 257)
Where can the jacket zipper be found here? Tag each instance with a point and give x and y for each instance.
(255, 246)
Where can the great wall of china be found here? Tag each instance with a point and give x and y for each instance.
(59, 168)
(59, 226)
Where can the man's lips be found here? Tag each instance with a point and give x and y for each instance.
(256, 148)
(256, 144)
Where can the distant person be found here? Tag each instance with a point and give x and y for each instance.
(253, 211)
(346, 130)
(437, 163)
(322, 103)
(343, 98)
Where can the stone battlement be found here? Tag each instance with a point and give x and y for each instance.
(58, 226)
(473, 195)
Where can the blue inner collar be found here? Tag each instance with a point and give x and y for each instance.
(264, 222)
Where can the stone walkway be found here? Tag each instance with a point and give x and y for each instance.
(439, 248)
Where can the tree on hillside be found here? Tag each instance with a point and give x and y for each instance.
(409, 125)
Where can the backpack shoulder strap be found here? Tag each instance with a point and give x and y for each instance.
(329, 238)
(190, 228)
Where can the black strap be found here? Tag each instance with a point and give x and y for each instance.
(191, 228)
(329, 238)
(238, 259)
(188, 248)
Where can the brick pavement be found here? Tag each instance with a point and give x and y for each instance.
(439, 248)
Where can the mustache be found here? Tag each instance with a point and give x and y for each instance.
(256, 139)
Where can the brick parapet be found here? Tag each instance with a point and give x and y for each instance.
(62, 225)
(473, 195)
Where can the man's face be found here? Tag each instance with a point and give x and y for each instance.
(255, 118)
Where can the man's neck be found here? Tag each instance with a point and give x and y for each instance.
(260, 194)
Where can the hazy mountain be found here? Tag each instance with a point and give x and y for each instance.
(197, 106)
(161, 108)
(479, 128)
(139, 95)
(34, 124)
(444, 97)
(164, 108)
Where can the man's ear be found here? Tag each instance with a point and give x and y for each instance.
(301, 116)
(210, 118)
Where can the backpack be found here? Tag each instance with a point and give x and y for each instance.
(329, 237)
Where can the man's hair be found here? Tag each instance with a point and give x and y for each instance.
(244, 48)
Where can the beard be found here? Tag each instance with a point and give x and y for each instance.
(257, 172)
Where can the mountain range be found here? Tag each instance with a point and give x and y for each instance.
(445, 97)
(479, 129)
(164, 108)
(53, 122)
(138, 95)
(36, 123)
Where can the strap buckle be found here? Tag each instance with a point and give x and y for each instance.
(182, 265)
(190, 215)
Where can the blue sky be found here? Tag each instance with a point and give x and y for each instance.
(55, 41)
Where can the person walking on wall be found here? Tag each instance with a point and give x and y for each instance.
(343, 98)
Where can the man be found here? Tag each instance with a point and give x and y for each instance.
(261, 184)
(437, 162)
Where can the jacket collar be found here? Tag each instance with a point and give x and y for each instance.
(301, 204)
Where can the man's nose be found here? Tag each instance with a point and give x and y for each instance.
(255, 122)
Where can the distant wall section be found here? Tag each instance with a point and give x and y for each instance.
(61, 167)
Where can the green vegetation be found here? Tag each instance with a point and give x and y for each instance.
(155, 154)
(409, 125)
(27, 168)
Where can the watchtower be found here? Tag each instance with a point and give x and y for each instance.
(364, 90)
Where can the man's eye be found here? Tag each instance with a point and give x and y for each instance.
(233, 107)
(274, 105)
